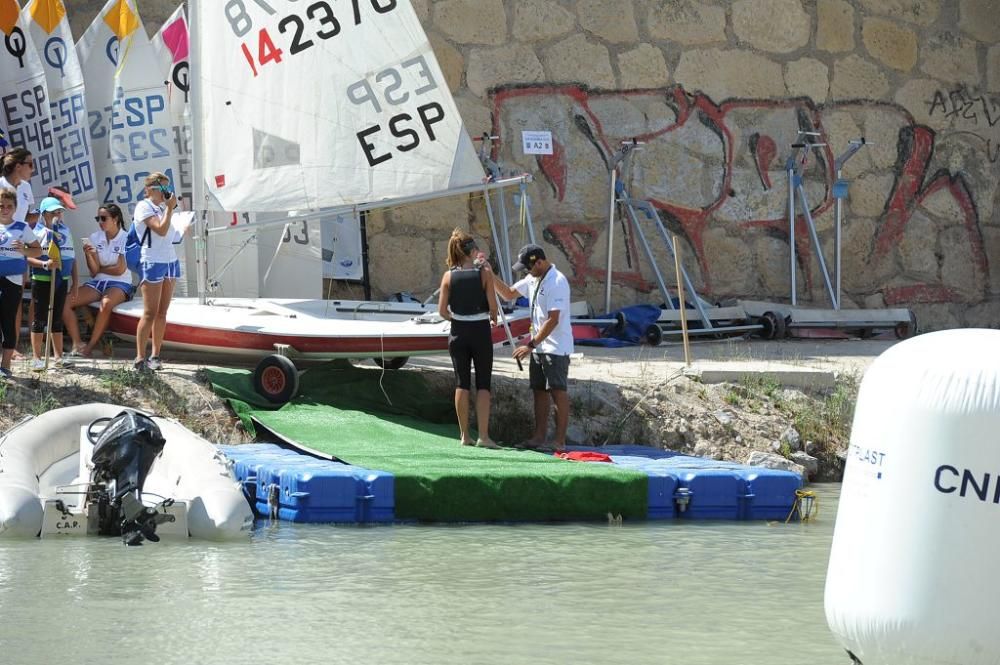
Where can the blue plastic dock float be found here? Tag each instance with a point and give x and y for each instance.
(296, 487)
(685, 487)
(300, 488)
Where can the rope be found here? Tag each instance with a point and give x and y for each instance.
(813, 510)
(381, 339)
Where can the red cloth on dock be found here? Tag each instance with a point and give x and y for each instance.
(582, 456)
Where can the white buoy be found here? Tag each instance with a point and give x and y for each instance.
(914, 574)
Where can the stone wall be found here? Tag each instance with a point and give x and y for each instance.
(717, 91)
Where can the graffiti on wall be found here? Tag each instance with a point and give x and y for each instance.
(978, 111)
(716, 175)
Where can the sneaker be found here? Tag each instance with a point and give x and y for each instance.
(37, 365)
(74, 353)
(63, 361)
(154, 363)
(140, 365)
(6, 373)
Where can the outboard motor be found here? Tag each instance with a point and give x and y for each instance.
(122, 456)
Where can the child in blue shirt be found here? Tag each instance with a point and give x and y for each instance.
(16, 242)
(44, 279)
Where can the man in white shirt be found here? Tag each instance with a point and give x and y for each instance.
(551, 341)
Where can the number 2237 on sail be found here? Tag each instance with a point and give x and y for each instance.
(316, 21)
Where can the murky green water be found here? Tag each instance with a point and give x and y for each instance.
(698, 594)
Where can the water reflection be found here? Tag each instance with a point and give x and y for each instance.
(704, 594)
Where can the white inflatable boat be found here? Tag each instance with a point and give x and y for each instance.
(101, 469)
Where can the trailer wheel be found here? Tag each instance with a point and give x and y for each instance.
(906, 330)
(276, 379)
(773, 326)
(653, 335)
(391, 363)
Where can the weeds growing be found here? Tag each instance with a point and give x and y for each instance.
(825, 421)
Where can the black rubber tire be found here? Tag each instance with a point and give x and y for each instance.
(774, 326)
(391, 363)
(618, 327)
(906, 330)
(276, 379)
(653, 335)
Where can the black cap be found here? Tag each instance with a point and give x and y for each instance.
(527, 256)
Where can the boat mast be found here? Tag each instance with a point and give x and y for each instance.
(197, 188)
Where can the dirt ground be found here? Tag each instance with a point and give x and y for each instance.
(632, 395)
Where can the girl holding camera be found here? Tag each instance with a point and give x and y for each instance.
(159, 268)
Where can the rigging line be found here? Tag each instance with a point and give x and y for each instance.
(123, 57)
(381, 338)
(274, 258)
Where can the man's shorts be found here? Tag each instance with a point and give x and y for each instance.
(548, 371)
(102, 286)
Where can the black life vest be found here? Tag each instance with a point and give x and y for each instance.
(466, 296)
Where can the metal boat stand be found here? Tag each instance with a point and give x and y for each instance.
(501, 232)
(711, 320)
(864, 322)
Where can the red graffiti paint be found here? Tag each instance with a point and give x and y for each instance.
(577, 242)
(727, 120)
(920, 293)
(554, 168)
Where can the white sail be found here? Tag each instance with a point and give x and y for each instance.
(25, 116)
(326, 104)
(48, 26)
(170, 44)
(130, 127)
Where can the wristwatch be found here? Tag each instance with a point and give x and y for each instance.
(531, 343)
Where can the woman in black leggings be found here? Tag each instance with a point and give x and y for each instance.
(467, 300)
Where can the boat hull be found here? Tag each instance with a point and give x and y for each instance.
(313, 329)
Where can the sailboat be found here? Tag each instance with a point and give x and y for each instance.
(318, 107)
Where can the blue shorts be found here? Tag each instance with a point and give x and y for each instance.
(102, 286)
(154, 273)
